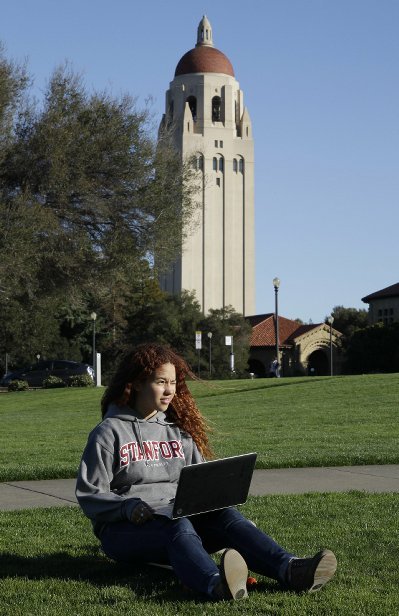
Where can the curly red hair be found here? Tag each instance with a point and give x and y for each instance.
(138, 366)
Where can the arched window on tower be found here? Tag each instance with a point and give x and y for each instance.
(218, 163)
(235, 165)
(216, 109)
(192, 103)
(241, 165)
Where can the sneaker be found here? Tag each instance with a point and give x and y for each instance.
(233, 578)
(310, 574)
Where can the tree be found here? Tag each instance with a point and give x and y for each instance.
(227, 322)
(86, 199)
(174, 319)
(170, 319)
(348, 320)
(374, 349)
(90, 162)
(13, 83)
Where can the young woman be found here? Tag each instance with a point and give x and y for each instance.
(151, 428)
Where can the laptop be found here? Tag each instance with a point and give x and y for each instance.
(212, 485)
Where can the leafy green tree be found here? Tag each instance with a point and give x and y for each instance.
(349, 320)
(86, 200)
(374, 349)
(174, 319)
(13, 84)
(170, 319)
(90, 162)
(221, 323)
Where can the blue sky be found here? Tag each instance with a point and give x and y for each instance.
(321, 83)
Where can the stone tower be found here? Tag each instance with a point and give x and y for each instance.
(205, 106)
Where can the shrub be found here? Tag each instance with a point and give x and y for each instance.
(374, 349)
(52, 382)
(18, 386)
(80, 380)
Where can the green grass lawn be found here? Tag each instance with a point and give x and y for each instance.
(50, 563)
(291, 422)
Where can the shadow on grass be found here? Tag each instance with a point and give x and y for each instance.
(143, 580)
(284, 382)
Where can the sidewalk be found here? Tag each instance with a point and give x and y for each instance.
(61, 492)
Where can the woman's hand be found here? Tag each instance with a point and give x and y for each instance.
(141, 514)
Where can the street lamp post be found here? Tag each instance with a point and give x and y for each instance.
(210, 353)
(229, 342)
(276, 284)
(330, 321)
(198, 347)
(94, 317)
(232, 367)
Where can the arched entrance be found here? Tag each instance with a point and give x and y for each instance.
(256, 366)
(318, 364)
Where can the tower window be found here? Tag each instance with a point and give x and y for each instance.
(217, 181)
(192, 103)
(198, 162)
(216, 143)
(216, 109)
(218, 163)
(235, 165)
(241, 165)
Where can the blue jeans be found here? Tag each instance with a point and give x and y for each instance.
(187, 542)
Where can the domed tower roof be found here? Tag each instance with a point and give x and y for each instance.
(204, 58)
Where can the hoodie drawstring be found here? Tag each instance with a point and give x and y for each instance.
(140, 439)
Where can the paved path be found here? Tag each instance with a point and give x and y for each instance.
(61, 492)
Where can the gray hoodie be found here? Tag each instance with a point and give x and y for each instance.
(127, 460)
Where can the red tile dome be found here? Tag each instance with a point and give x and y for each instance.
(204, 59)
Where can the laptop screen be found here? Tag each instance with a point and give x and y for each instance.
(213, 485)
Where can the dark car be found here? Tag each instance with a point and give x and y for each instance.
(35, 375)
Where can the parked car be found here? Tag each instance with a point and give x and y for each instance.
(36, 374)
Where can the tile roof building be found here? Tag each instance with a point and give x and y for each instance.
(383, 305)
(304, 349)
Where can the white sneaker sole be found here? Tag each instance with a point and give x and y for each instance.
(236, 574)
(324, 571)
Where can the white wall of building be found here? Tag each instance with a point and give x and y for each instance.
(217, 260)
